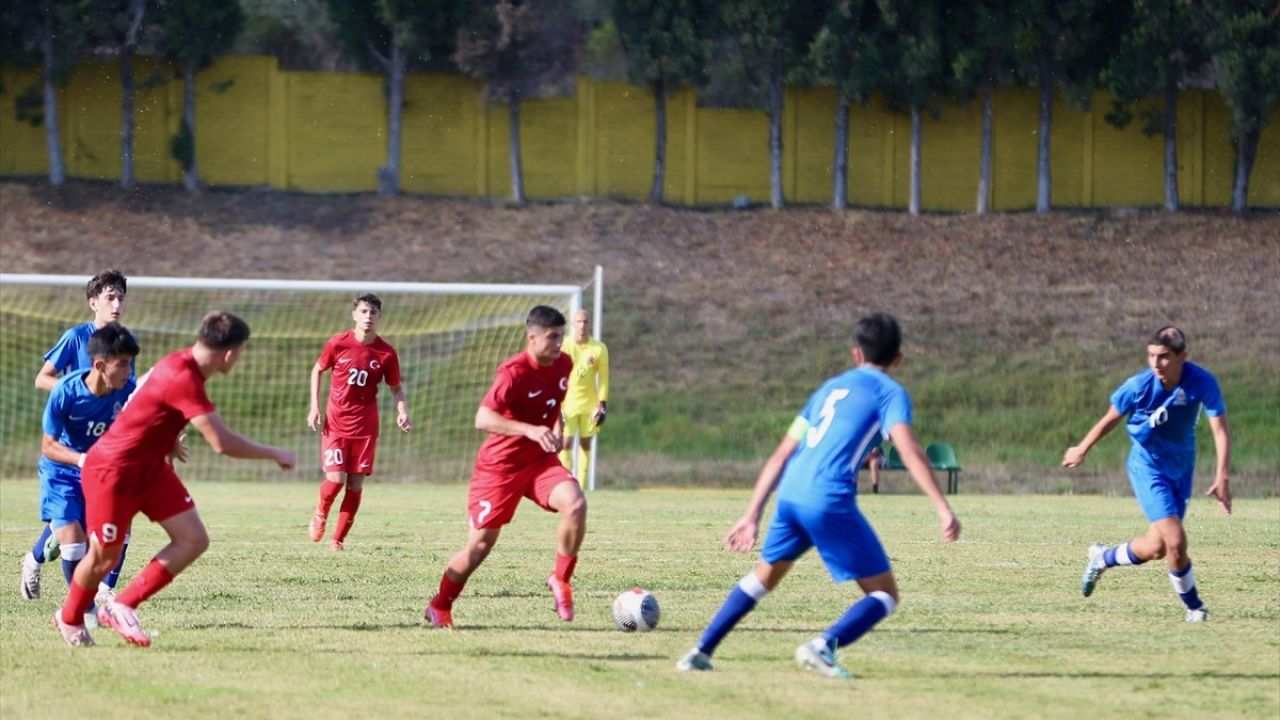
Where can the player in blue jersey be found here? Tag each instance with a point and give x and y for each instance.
(105, 294)
(1163, 405)
(81, 407)
(817, 463)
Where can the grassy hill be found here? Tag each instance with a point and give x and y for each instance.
(720, 323)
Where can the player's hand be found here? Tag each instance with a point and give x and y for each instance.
(546, 438)
(315, 420)
(403, 422)
(598, 418)
(1074, 456)
(180, 451)
(950, 526)
(742, 536)
(1222, 491)
(286, 458)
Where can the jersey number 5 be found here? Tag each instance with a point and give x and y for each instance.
(827, 414)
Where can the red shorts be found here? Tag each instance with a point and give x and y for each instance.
(114, 494)
(350, 455)
(493, 497)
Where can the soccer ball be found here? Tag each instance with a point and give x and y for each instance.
(636, 609)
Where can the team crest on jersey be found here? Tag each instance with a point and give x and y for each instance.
(1179, 397)
(591, 360)
(373, 365)
(564, 383)
(115, 410)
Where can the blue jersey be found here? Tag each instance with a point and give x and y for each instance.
(75, 417)
(71, 352)
(836, 431)
(1162, 423)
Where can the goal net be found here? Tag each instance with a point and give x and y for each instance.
(450, 338)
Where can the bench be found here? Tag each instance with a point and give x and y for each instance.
(941, 457)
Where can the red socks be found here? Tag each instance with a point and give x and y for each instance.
(347, 514)
(565, 566)
(328, 493)
(153, 578)
(449, 591)
(79, 600)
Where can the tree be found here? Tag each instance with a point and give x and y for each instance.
(848, 52)
(983, 42)
(1164, 45)
(52, 34)
(775, 35)
(394, 35)
(517, 47)
(666, 48)
(1245, 44)
(193, 34)
(131, 25)
(915, 72)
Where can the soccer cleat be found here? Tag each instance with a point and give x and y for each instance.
(1198, 616)
(437, 617)
(105, 595)
(124, 621)
(75, 635)
(91, 618)
(817, 655)
(336, 546)
(694, 661)
(30, 584)
(317, 526)
(1093, 570)
(563, 593)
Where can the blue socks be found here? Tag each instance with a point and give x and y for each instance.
(742, 600)
(1121, 555)
(114, 576)
(37, 550)
(859, 618)
(1184, 583)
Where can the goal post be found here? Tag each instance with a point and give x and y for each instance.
(450, 338)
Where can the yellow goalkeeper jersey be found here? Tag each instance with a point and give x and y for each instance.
(589, 381)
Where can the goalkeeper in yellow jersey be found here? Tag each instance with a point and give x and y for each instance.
(585, 403)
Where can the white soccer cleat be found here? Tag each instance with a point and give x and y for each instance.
(75, 635)
(105, 595)
(694, 661)
(1198, 616)
(817, 655)
(1093, 569)
(30, 585)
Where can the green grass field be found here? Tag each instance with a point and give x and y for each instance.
(268, 624)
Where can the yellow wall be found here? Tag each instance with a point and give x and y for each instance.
(327, 132)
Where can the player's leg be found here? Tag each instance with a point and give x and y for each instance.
(583, 472)
(46, 545)
(572, 429)
(566, 499)
(73, 545)
(480, 542)
(360, 456)
(333, 457)
(1158, 500)
(742, 599)
(107, 588)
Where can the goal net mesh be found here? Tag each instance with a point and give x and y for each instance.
(448, 344)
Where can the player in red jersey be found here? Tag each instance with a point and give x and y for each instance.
(360, 360)
(521, 413)
(129, 471)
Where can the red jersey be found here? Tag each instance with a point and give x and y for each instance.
(353, 392)
(166, 399)
(523, 390)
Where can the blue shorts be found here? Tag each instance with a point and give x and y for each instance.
(61, 498)
(1161, 492)
(845, 541)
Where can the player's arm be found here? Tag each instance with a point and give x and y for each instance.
(1221, 487)
(57, 452)
(402, 407)
(490, 420)
(913, 456)
(47, 377)
(602, 387)
(225, 441)
(742, 536)
(1075, 454)
(315, 417)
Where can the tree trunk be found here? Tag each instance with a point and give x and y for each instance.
(126, 116)
(1246, 153)
(517, 174)
(913, 204)
(775, 129)
(660, 142)
(389, 174)
(137, 9)
(57, 169)
(984, 163)
(191, 178)
(1043, 173)
(1171, 146)
(840, 162)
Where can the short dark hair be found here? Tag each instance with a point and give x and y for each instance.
(372, 300)
(112, 340)
(544, 316)
(1169, 337)
(879, 338)
(106, 280)
(222, 330)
